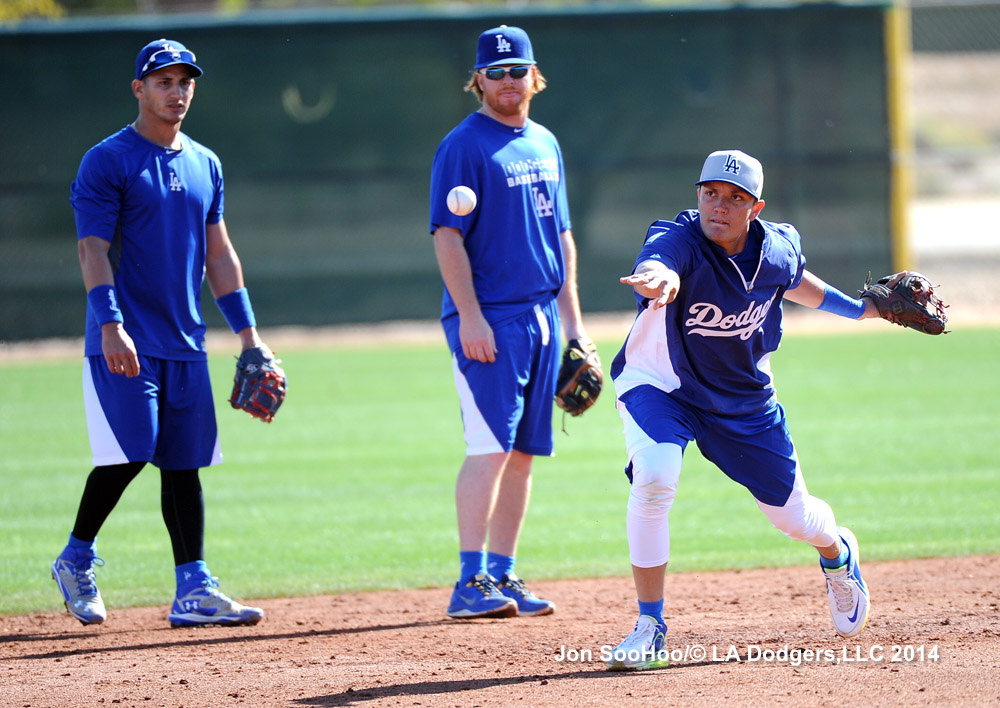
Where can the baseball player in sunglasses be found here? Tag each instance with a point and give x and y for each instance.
(509, 271)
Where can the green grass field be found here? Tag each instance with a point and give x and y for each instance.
(351, 487)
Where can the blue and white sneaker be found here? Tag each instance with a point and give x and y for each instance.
(74, 574)
(528, 604)
(479, 597)
(643, 649)
(205, 604)
(846, 590)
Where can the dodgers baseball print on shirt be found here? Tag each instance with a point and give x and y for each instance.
(519, 177)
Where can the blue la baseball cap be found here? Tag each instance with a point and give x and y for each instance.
(164, 52)
(504, 45)
(735, 167)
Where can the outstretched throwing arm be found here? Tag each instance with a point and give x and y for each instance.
(655, 282)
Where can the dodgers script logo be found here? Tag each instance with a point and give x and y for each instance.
(502, 44)
(708, 320)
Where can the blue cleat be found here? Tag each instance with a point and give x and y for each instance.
(528, 604)
(205, 604)
(846, 590)
(479, 597)
(643, 649)
(74, 574)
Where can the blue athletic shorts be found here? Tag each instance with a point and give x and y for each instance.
(755, 451)
(165, 415)
(507, 404)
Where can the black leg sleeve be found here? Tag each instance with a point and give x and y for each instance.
(183, 508)
(104, 488)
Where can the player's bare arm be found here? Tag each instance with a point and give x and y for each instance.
(654, 281)
(119, 350)
(225, 273)
(474, 331)
(812, 291)
(569, 297)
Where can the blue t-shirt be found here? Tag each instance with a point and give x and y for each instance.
(512, 236)
(152, 204)
(711, 346)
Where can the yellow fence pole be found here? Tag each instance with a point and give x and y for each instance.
(898, 51)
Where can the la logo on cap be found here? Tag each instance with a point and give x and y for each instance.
(503, 45)
(735, 167)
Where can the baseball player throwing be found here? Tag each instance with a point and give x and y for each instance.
(696, 366)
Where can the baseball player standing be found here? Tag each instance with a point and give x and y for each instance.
(148, 203)
(509, 270)
(696, 366)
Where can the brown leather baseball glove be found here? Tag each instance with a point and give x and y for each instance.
(580, 377)
(911, 302)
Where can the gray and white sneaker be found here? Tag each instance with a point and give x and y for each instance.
(206, 604)
(643, 649)
(846, 590)
(74, 574)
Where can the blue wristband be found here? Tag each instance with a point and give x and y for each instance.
(103, 302)
(236, 309)
(838, 303)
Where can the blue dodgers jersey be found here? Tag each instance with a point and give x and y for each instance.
(711, 346)
(152, 205)
(512, 236)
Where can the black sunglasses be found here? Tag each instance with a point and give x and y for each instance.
(496, 73)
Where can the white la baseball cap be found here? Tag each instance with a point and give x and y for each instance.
(735, 167)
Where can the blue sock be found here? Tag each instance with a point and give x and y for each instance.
(76, 549)
(498, 565)
(838, 562)
(78, 545)
(473, 563)
(653, 609)
(190, 575)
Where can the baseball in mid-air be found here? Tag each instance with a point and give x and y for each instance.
(461, 200)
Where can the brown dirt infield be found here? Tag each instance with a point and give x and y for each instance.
(933, 638)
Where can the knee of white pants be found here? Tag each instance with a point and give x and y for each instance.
(655, 473)
(804, 518)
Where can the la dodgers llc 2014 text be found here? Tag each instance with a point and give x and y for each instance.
(753, 653)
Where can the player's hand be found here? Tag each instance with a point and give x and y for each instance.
(659, 286)
(871, 309)
(119, 350)
(477, 339)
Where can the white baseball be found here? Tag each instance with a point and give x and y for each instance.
(461, 200)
